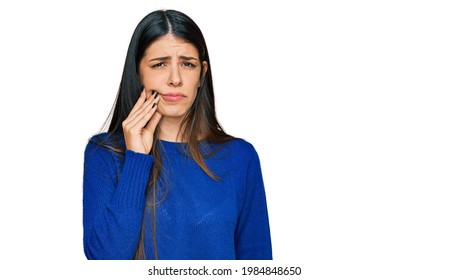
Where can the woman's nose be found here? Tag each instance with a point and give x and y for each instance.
(175, 78)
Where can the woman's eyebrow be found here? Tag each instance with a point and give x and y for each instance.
(165, 58)
(162, 58)
(187, 57)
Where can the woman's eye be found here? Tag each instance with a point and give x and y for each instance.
(158, 65)
(188, 64)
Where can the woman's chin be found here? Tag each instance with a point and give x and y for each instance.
(170, 112)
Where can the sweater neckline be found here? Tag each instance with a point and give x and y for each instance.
(171, 144)
(181, 147)
(173, 147)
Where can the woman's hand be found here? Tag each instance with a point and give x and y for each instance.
(139, 126)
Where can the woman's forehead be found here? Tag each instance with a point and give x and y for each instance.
(171, 45)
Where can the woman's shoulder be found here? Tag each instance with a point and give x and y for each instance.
(240, 143)
(106, 138)
(242, 147)
(105, 144)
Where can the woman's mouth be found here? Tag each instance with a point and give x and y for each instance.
(172, 97)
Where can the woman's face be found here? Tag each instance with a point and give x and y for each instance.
(171, 67)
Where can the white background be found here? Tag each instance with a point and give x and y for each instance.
(345, 101)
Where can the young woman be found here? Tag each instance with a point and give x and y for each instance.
(165, 181)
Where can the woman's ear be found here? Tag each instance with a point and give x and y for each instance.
(203, 72)
(204, 68)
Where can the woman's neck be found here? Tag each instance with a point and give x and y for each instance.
(169, 129)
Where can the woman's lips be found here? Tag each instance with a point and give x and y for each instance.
(173, 97)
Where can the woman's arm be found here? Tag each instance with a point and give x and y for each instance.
(114, 199)
(252, 238)
(113, 204)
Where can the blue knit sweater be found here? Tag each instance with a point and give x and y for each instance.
(198, 218)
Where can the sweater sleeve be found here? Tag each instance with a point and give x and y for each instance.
(113, 206)
(252, 238)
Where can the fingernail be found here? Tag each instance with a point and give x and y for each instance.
(157, 94)
(154, 104)
(141, 88)
(152, 92)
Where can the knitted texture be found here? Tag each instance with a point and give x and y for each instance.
(197, 217)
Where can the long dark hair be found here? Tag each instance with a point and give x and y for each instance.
(200, 120)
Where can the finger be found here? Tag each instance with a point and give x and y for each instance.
(150, 93)
(142, 120)
(143, 115)
(154, 121)
(145, 107)
(139, 102)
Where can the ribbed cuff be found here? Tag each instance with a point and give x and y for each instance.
(130, 192)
